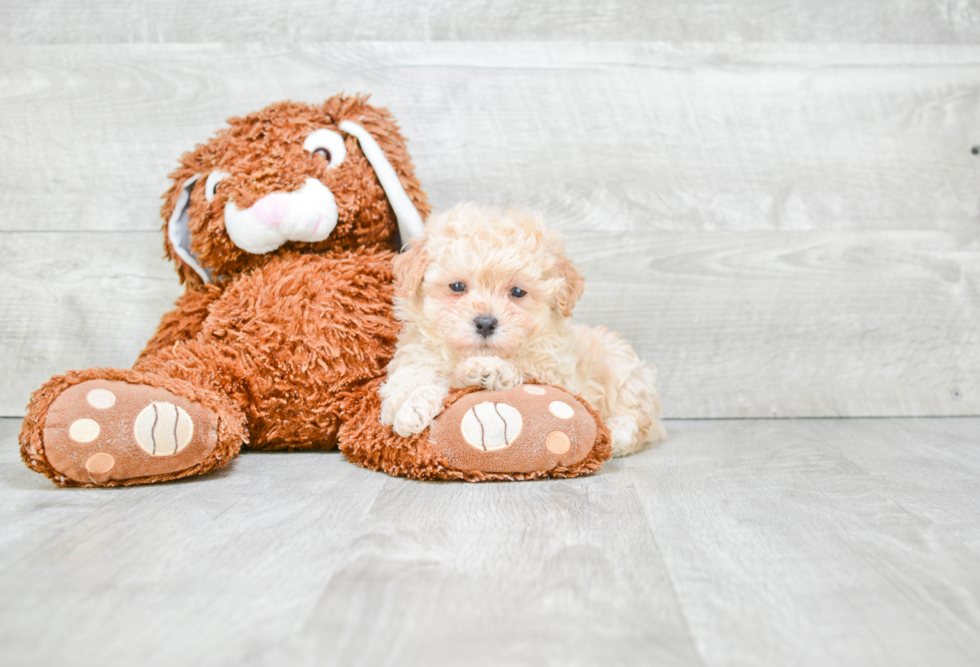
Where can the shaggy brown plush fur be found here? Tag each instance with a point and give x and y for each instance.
(264, 153)
(286, 349)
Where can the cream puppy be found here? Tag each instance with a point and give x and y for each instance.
(485, 299)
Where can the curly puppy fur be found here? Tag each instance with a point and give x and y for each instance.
(485, 300)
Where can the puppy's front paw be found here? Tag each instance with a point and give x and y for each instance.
(389, 408)
(418, 411)
(491, 373)
(412, 418)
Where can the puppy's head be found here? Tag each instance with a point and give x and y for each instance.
(485, 282)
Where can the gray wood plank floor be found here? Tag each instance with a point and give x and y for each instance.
(789, 542)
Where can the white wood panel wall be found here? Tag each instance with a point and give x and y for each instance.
(784, 229)
(190, 21)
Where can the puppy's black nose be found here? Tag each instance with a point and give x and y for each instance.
(485, 324)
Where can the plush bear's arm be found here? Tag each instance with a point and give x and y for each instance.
(183, 322)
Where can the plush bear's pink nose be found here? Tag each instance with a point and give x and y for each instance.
(272, 209)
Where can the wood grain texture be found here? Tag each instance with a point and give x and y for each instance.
(810, 542)
(749, 325)
(783, 231)
(325, 563)
(77, 300)
(763, 524)
(603, 136)
(64, 21)
(794, 325)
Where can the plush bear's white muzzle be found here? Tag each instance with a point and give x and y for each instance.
(308, 214)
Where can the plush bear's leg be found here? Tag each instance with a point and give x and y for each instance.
(527, 432)
(109, 427)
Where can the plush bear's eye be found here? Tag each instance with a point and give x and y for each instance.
(458, 287)
(211, 185)
(327, 143)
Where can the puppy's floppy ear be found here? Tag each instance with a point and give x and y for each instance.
(409, 268)
(572, 286)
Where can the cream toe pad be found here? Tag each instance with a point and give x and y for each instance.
(163, 429)
(101, 399)
(84, 430)
(561, 410)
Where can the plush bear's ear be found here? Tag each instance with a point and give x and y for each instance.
(381, 125)
(409, 220)
(176, 226)
(409, 268)
(178, 232)
(572, 286)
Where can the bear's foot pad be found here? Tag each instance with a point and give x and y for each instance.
(525, 429)
(101, 431)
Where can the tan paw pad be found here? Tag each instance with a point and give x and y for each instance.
(558, 442)
(163, 429)
(529, 428)
(491, 426)
(107, 431)
(99, 464)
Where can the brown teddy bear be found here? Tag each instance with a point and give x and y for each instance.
(283, 228)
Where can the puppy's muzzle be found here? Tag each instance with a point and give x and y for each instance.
(485, 325)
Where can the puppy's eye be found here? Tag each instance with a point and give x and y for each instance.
(458, 287)
(517, 292)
